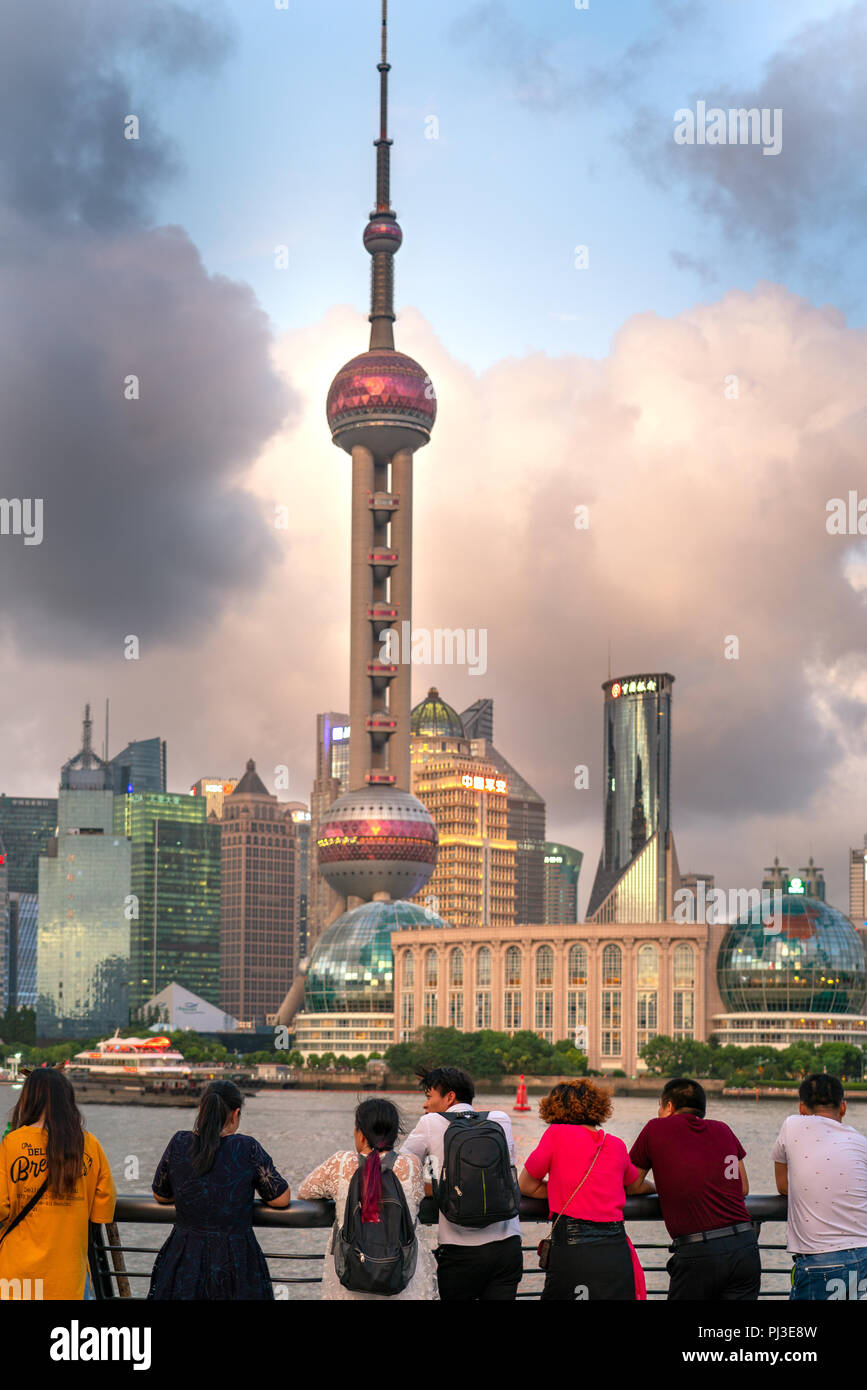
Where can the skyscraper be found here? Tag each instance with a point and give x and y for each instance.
(214, 790)
(175, 880)
(562, 867)
(27, 826)
(637, 873)
(331, 780)
(140, 767)
(258, 926)
(83, 956)
(5, 935)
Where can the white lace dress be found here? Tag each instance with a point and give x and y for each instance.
(332, 1179)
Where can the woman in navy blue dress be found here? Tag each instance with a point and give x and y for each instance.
(210, 1175)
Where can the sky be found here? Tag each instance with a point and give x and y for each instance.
(669, 335)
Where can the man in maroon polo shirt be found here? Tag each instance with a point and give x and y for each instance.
(701, 1180)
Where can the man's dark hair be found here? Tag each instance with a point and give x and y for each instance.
(821, 1092)
(685, 1095)
(445, 1079)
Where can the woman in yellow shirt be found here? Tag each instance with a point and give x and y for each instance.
(50, 1157)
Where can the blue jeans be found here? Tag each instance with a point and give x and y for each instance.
(837, 1274)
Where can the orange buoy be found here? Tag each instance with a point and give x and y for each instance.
(521, 1097)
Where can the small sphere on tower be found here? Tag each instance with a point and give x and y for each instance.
(382, 233)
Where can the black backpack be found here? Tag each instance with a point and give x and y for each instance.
(376, 1256)
(478, 1184)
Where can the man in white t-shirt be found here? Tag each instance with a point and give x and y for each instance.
(472, 1262)
(821, 1165)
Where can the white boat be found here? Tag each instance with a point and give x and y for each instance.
(151, 1057)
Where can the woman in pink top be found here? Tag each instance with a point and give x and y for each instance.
(586, 1175)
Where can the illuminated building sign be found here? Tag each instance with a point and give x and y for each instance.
(636, 687)
(485, 784)
(796, 885)
(553, 859)
(340, 733)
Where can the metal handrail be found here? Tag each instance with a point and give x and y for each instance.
(106, 1255)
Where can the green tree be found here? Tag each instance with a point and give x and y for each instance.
(314, 1061)
(359, 1062)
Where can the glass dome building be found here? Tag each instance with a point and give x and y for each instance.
(814, 965)
(349, 987)
(352, 968)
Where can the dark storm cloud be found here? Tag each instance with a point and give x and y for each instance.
(817, 182)
(147, 527)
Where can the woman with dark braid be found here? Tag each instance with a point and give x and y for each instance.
(210, 1175)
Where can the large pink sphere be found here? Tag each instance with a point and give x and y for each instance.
(384, 400)
(379, 840)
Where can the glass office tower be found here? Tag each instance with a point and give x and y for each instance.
(175, 878)
(83, 932)
(631, 883)
(140, 767)
(27, 826)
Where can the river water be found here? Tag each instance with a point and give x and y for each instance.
(300, 1129)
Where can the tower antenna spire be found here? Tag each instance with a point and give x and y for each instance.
(382, 235)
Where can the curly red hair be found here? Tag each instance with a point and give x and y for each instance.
(576, 1103)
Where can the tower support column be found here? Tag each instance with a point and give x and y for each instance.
(400, 692)
(361, 644)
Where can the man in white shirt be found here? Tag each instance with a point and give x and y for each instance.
(473, 1263)
(821, 1165)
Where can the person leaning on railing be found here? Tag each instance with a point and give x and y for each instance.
(821, 1165)
(585, 1174)
(54, 1179)
(702, 1182)
(211, 1176)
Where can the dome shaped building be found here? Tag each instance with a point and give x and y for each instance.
(349, 987)
(801, 977)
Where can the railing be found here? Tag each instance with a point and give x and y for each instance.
(112, 1272)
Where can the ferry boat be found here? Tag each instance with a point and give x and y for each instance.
(152, 1058)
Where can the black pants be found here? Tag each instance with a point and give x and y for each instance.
(489, 1272)
(728, 1269)
(589, 1260)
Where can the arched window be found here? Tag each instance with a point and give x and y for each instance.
(576, 996)
(512, 993)
(483, 987)
(543, 1003)
(684, 967)
(683, 992)
(513, 967)
(611, 1002)
(647, 993)
(431, 969)
(577, 965)
(612, 965)
(456, 968)
(408, 969)
(544, 967)
(456, 988)
(483, 968)
(431, 980)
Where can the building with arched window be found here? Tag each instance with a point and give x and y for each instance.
(609, 989)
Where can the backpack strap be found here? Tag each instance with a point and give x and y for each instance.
(387, 1161)
(451, 1115)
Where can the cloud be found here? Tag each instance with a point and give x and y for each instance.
(149, 527)
(707, 519)
(816, 184)
(698, 265)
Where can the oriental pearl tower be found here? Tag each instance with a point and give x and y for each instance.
(377, 839)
